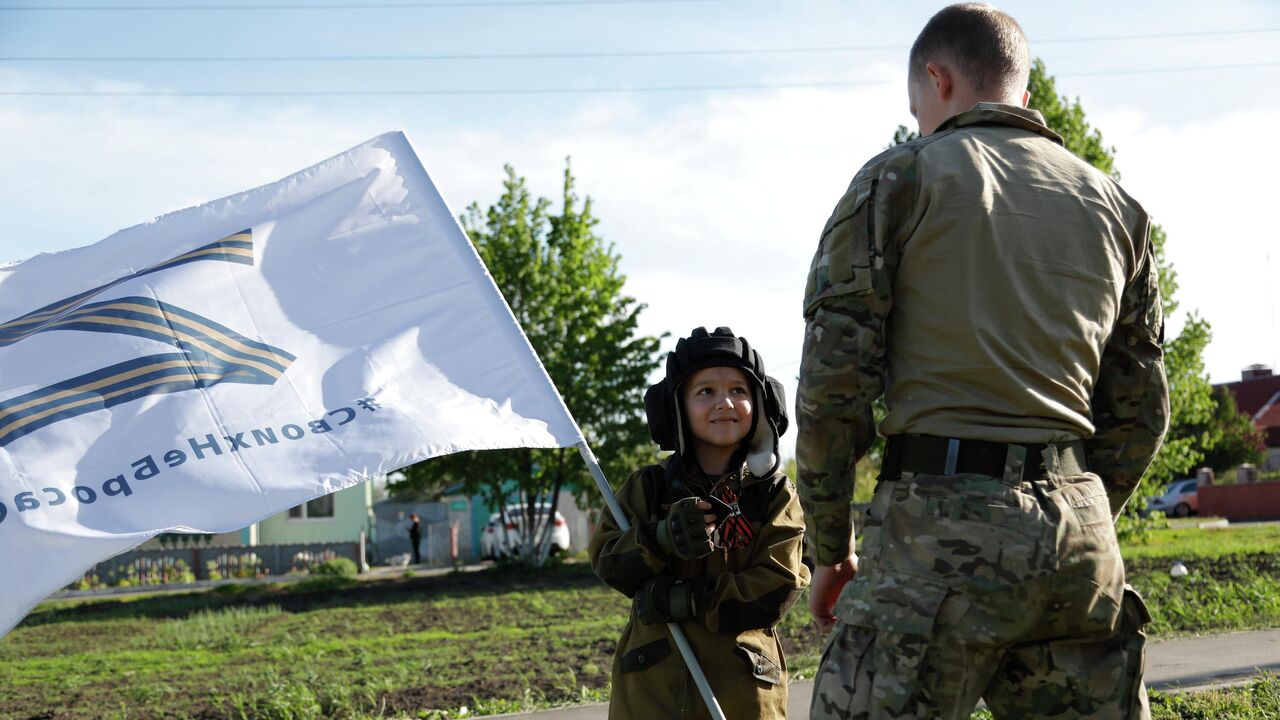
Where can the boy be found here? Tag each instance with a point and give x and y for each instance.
(727, 579)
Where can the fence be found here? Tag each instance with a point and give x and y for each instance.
(188, 564)
(1244, 501)
(436, 519)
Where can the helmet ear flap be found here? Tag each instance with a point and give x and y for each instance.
(661, 414)
(763, 456)
(775, 404)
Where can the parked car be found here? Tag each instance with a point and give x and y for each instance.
(1178, 500)
(501, 540)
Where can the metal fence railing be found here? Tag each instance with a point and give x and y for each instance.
(180, 565)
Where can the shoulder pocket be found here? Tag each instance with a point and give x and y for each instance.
(843, 262)
(1151, 309)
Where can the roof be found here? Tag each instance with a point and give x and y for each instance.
(1254, 394)
(1260, 399)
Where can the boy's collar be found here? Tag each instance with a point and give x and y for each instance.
(677, 468)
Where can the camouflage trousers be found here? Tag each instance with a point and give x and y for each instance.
(972, 587)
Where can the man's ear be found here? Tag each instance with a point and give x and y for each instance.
(1026, 97)
(940, 78)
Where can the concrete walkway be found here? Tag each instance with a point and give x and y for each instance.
(1186, 664)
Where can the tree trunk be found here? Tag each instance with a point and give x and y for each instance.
(548, 528)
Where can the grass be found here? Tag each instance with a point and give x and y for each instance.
(1184, 543)
(482, 643)
(1233, 581)
(223, 629)
(1259, 700)
(1224, 595)
(496, 641)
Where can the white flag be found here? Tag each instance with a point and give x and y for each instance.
(223, 363)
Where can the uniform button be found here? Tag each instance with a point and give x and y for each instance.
(640, 659)
(760, 668)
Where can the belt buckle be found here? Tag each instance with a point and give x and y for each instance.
(1015, 464)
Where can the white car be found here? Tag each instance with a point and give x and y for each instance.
(499, 541)
(1178, 500)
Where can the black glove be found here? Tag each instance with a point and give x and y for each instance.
(683, 532)
(666, 599)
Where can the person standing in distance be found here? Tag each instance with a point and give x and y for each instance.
(1001, 294)
(415, 536)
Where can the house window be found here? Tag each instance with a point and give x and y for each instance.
(319, 509)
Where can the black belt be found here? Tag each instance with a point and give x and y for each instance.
(932, 455)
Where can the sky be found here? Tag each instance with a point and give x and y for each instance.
(713, 136)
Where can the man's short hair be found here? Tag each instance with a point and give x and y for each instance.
(984, 44)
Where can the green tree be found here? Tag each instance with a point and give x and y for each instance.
(1229, 438)
(1066, 117)
(564, 286)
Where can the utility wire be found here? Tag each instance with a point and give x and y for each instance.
(338, 6)
(583, 55)
(1153, 36)
(564, 90)
(461, 91)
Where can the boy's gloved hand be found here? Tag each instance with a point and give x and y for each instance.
(686, 530)
(666, 599)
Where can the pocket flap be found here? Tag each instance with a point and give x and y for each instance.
(761, 666)
(901, 604)
(646, 655)
(1136, 606)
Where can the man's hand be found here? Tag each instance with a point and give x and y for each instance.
(828, 581)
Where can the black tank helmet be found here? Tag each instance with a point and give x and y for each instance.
(720, 348)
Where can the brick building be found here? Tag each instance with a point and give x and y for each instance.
(1258, 395)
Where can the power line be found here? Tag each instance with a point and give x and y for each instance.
(1153, 36)
(585, 55)
(462, 91)
(582, 55)
(566, 90)
(338, 6)
(1156, 71)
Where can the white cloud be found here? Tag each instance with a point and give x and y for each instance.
(74, 171)
(716, 209)
(1210, 186)
(715, 205)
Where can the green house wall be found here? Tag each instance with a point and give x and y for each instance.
(352, 512)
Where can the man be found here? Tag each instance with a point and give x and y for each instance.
(415, 536)
(1001, 294)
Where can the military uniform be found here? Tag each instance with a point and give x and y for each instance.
(1002, 295)
(742, 593)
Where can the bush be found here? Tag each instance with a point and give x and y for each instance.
(1135, 529)
(338, 567)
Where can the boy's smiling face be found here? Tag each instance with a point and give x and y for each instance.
(718, 404)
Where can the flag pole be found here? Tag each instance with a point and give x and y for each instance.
(677, 633)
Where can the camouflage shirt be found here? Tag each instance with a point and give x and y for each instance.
(992, 286)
